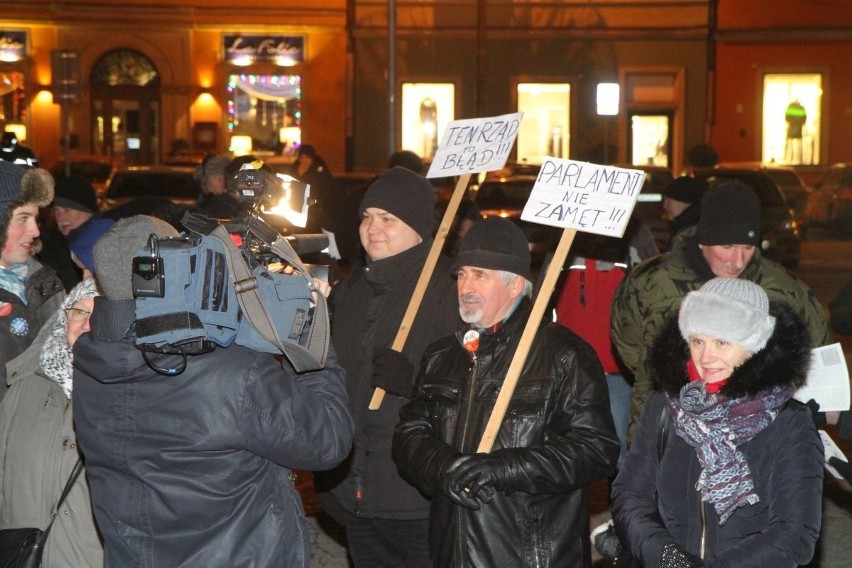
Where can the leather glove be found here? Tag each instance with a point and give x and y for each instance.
(674, 556)
(819, 417)
(458, 495)
(392, 371)
(480, 476)
(842, 467)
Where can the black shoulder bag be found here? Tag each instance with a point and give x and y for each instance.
(23, 548)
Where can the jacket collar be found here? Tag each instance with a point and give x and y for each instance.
(388, 270)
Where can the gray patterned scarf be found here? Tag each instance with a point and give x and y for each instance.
(55, 358)
(716, 426)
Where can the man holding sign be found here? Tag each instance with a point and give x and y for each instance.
(386, 519)
(526, 502)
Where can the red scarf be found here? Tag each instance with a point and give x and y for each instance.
(712, 388)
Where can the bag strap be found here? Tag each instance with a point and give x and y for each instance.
(75, 473)
(302, 359)
(663, 433)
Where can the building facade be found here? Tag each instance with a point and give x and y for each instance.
(145, 82)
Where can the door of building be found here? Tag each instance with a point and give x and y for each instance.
(126, 107)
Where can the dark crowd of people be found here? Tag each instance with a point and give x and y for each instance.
(671, 374)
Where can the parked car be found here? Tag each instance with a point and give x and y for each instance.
(175, 183)
(781, 236)
(95, 168)
(795, 191)
(830, 204)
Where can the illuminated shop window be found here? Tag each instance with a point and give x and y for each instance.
(544, 129)
(791, 118)
(427, 109)
(267, 111)
(650, 145)
(13, 95)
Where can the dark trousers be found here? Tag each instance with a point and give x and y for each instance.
(388, 543)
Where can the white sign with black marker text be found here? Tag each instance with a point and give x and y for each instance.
(475, 145)
(583, 196)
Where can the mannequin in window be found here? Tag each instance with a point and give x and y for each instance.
(796, 118)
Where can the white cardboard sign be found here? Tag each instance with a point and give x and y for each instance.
(584, 196)
(475, 145)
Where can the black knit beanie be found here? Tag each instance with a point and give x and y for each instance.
(405, 194)
(495, 244)
(75, 192)
(730, 215)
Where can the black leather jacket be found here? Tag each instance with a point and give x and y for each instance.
(557, 435)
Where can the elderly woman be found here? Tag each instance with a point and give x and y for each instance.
(38, 449)
(725, 468)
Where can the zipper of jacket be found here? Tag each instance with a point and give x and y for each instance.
(464, 421)
(703, 546)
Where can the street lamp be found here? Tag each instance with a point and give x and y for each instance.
(607, 105)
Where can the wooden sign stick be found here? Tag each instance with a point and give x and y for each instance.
(425, 276)
(514, 372)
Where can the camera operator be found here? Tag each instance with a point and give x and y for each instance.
(194, 469)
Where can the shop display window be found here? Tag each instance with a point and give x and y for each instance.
(792, 104)
(13, 96)
(267, 110)
(427, 110)
(649, 137)
(544, 130)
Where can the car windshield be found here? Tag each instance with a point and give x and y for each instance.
(154, 183)
(784, 178)
(504, 194)
(95, 172)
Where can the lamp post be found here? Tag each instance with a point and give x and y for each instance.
(607, 105)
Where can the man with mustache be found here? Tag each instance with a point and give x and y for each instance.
(525, 503)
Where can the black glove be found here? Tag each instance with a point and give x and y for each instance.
(674, 556)
(819, 417)
(480, 476)
(459, 496)
(842, 467)
(392, 371)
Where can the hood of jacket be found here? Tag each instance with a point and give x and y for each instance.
(783, 362)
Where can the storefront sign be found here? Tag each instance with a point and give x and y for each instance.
(583, 196)
(248, 49)
(13, 45)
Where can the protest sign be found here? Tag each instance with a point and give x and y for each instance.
(475, 145)
(588, 197)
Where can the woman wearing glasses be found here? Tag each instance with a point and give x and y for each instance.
(38, 449)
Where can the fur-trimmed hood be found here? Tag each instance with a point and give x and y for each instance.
(784, 361)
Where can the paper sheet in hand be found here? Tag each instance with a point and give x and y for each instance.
(831, 451)
(828, 379)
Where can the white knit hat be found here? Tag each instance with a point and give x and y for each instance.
(731, 309)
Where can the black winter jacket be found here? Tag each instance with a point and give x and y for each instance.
(366, 313)
(195, 469)
(655, 500)
(557, 435)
